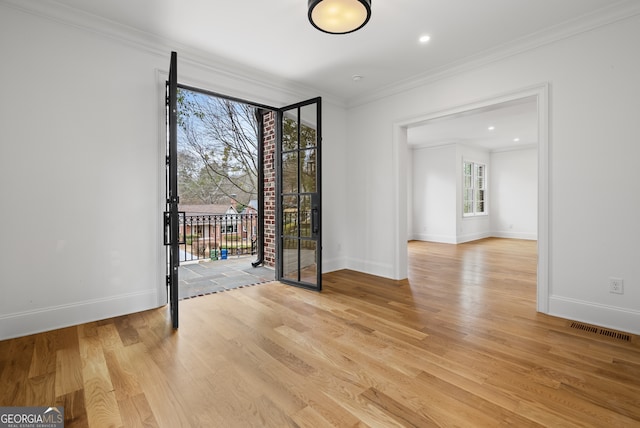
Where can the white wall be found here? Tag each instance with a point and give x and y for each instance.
(514, 193)
(81, 164)
(594, 128)
(434, 194)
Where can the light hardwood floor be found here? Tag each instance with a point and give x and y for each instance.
(458, 344)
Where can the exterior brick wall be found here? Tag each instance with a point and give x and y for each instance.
(270, 189)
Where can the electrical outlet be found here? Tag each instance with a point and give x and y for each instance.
(616, 285)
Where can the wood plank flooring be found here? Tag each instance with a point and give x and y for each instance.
(458, 344)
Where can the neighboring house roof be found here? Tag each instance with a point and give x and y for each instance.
(209, 209)
(252, 207)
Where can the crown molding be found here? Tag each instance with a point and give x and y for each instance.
(515, 148)
(618, 11)
(450, 143)
(288, 91)
(157, 45)
(439, 145)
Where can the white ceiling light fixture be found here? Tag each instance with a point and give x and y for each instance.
(339, 16)
(424, 39)
(491, 128)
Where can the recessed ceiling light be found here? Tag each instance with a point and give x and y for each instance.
(357, 77)
(491, 128)
(515, 140)
(424, 39)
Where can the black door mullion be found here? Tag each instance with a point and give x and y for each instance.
(298, 200)
(278, 195)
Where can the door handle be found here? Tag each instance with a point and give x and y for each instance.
(314, 221)
(167, 228)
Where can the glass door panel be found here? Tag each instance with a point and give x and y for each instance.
(308, 175)
(298, 188)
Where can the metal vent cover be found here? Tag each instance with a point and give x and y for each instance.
(602, 331)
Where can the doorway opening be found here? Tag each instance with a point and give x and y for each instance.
(461, 227)
(287, 142)
(220, 141)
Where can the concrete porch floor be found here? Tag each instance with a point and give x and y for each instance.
(213, 276)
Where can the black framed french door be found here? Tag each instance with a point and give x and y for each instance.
(171, 215)
(298, 194)
(297, 197)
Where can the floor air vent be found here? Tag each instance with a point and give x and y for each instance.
(601, 331)
(615, 335)
(584, 327)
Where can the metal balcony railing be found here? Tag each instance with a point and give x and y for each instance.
(217, 236)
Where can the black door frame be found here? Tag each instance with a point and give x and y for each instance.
(171, 216)
(316, 202)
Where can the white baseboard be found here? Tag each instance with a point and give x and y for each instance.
(372, 268)
(616, 318)
(444, 239)
(45, 319)
(515, 235)
(472, 237)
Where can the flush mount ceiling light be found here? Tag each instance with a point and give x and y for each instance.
(339, 16)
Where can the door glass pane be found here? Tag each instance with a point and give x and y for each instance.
(290, 130)
(305, 216)
(290, 216)
(308, 126)
(308, 177)
(308, 265)
(290, 258)
(290, 172)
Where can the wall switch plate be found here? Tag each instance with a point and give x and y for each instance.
(616, 285)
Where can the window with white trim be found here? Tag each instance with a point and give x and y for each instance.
(474, 192)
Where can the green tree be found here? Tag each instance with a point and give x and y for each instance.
(218, 151)
(218, 144)
(298, 156)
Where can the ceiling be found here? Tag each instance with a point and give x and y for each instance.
(275, 37)
(513, 124)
